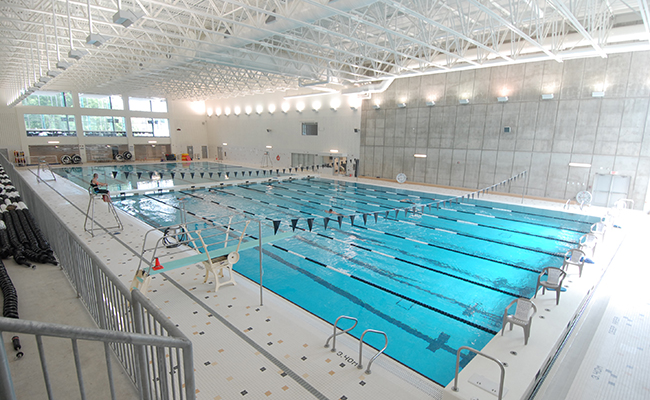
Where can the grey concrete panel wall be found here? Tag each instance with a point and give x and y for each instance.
(466, 144)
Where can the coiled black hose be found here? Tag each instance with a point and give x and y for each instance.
(10, 306)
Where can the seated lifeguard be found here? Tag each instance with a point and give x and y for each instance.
(96, 185)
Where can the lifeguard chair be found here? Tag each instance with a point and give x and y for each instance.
(90, 213)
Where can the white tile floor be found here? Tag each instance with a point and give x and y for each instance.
(276, 350)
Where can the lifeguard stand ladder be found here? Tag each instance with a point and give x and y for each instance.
(90, 213)
(44, 166)
(266, 160)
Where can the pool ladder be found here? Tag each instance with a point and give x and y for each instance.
(335, 334)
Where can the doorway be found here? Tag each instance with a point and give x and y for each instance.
(608, 189)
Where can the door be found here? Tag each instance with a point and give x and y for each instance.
(219, 153)
(204, 152)
(608, 189)
(190, 151)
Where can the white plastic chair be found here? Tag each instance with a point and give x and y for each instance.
(574, 257)
(523, 316)
(554, 281)
(599, 229)
(588, 243)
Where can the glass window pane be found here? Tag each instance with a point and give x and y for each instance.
(159, 105)
(101, 101)
(49, 99)
(50, 125)
(102, 125)
(161, 127)
(136, 104)
(141, 126)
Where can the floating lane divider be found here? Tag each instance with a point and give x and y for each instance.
(536, 223)
(340, 220)
(427, 306)
(400, 237)
(437, 228)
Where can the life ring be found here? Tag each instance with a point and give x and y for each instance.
(277, 157)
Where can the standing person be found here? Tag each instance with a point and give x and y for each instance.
(96, 184)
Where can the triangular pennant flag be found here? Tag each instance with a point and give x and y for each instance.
(310, 223)
(182, 175)
(352, 220)
(365, 219)
(396, 212)
(219, 173)
(422, 212)
(192, 175)
(312, 167)
(250, 173)
(173, 174)
(294, 222)
(201, 174)
(150, 174)
(277, 171)
(243, 174)
(283, 169)
(235, 174)
(210, 174)
(264, 172)
(429, 208)
(139, 175)
(114, 174)
(301, 169)
(126, 174)
(258, 173)
(406, 213)
(438, 205)
(227, 174)
(325, 222)
(340, 219)
(318, 167)
(161, 175)
(276, 226)
(376, 215)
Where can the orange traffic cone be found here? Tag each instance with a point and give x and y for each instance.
(158, 265)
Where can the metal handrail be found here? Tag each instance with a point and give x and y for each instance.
(503, 369)
(360, 366)
(334, 335)
(74, 333)
(112, 306)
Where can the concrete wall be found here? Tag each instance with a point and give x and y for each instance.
(466, 144)
(248, 135)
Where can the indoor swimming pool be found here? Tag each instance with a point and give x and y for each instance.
(163, 175)
(433, 279)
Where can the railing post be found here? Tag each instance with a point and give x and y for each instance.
(6, 384)
(261, 269)
(140, 352)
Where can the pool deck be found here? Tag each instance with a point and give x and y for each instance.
(276, 350)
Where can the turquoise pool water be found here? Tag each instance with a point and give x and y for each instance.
(433, 280)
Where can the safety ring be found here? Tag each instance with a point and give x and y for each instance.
(278, 157)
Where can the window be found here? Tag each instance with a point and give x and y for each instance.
(50, 125)
(310, 128)
(49, 99)
(103, 126)
(158, 127)
(101, 101)
(155, 105)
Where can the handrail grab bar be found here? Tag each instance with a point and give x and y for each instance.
(334, 335)
(360, 366)
(503, 369)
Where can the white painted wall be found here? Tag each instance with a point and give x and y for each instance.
(247, 136)
(187, 125)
